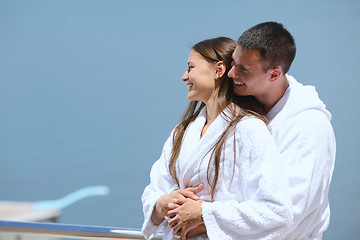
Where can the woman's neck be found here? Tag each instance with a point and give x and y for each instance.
(212, 111)
(211, 114)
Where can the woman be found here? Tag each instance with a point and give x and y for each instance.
(219, 175)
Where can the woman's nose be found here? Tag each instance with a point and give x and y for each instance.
(185, 76)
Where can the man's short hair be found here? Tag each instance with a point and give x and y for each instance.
(275, 44)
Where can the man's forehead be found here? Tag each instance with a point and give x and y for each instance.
(243, 53)
(236, 53)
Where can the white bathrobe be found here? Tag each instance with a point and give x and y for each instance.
(302, 131)
(252, 199)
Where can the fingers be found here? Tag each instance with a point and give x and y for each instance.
(167, 200)
(172, 222)
(189, 193)
(183, 234)
(163, 202)
(180, 201)
(172, 213)
(180, 195)
(177, 230)
(185, 218)
(173, 206)
(175, 225)
(196, 189)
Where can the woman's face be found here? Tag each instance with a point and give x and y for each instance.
(199, 78)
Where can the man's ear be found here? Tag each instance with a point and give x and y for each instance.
(275, 73)
(220, 69)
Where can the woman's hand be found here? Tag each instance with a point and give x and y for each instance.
(186, 219)
(178, 196)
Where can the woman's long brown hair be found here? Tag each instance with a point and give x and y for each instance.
(215, 50)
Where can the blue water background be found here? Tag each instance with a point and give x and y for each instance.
(90, 90)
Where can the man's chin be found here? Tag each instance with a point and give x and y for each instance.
(240, 93)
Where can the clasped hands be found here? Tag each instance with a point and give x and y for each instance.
(182, 209)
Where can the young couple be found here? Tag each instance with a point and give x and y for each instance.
(254, 159)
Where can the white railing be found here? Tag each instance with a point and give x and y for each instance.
(68, 231)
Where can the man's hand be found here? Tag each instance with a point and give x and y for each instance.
(196, 231)
(178, 196)
(186, 219)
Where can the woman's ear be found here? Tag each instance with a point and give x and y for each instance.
(220, 69)
(275, 73)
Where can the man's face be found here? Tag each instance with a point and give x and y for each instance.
(247, 73)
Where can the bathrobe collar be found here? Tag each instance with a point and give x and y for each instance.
(195, 148)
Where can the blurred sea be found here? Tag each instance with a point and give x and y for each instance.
(90, 90)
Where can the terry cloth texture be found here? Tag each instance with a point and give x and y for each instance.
(301, 127)
(252, 200)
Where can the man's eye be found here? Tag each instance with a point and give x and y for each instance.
(189, 68)
(244, 70)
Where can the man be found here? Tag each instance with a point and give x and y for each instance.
(299, 122)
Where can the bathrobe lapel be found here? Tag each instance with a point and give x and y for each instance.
(192, 165)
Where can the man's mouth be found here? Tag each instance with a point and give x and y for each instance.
(238, 83)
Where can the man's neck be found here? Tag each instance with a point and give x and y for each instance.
(276, 93)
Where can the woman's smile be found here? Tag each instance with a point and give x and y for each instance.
(189, 85)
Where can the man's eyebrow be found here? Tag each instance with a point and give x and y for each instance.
(238, 64)
(243, 67)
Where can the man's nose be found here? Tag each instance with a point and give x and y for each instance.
(231, 73)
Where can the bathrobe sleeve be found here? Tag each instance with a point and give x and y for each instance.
(309, 165)
(161, 183)
(265, 211)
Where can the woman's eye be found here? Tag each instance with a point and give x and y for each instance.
(189, 68)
